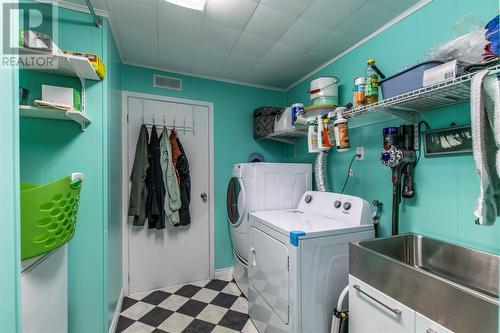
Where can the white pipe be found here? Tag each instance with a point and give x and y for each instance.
(335, 320)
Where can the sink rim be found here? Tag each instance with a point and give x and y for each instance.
(486, 297)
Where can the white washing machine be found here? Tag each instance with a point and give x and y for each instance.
(299, 261)
(260, 187)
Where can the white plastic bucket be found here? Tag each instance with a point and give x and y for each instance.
(325, 90)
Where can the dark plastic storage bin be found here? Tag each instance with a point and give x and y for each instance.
(407, 80)
(263, 121)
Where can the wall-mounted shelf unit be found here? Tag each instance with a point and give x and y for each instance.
(405, 106)
(67, 65)
(289, 136)
(48, 113)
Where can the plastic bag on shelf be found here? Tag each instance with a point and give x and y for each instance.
(468, 45)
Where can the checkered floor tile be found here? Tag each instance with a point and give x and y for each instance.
(214, 306)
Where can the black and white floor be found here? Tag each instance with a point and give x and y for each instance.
(215, 306)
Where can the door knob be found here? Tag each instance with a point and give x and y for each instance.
(204, 196)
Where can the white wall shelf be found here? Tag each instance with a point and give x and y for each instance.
(48, 113)
(67, 65)
(288, 136)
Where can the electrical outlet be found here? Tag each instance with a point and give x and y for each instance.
(360, 151)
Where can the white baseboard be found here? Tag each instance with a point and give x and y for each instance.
(114, 322)
(225, 274)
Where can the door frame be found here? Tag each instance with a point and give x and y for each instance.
(125, 176)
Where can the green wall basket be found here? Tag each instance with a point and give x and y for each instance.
(48, 214)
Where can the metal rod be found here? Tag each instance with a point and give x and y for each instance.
(396, 311)
(97, 19)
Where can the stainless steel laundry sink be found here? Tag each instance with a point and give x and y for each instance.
(452, 285)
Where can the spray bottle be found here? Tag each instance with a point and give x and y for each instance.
(312, 138)
(341, 129)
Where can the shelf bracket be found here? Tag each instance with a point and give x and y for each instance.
(410, 116)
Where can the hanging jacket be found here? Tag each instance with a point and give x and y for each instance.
(176, 152)
(139, 192)
(172, 201)
(154, 182)
(184, 186)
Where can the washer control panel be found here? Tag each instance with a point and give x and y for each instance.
(336, 205)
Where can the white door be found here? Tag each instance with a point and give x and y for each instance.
(268, 275)
(174, 255)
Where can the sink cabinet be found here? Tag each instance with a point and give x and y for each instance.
(371, 311)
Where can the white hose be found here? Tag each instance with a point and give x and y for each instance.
(335, 320)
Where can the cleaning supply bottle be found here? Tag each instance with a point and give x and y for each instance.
(341, 129)
(371, 83)
(312, 138)
(323, 134)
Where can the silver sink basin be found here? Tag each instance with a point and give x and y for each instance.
(450, 284)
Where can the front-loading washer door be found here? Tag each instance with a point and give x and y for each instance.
(235, 201)
(269, 271)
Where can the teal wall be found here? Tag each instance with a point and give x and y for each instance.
(53, 149)
(447, 187)
(9, 197)
(233, 132)
(113, 161)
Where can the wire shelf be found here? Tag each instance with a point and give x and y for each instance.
(407, 105)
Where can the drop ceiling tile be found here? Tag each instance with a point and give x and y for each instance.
(175, 59)
(175, 21)
(293, 7)
(398, 6)
(218, 36)
(239, 65)
(269, 23)
(139, 47)
(334, 43)
(331, 13)
(304, 34)
(230, 13)
(372, 16)
(133, 12)
(285, 54)
(250, 44)
(208, 60)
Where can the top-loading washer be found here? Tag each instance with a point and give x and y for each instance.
(260, 187)
(299, 261)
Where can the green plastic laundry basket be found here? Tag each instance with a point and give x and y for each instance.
(48, 214)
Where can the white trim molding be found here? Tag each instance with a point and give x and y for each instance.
(225, 274)
(116, 316)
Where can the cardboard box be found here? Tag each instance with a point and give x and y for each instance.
(450, 70)
(94, 59)
(61, 95)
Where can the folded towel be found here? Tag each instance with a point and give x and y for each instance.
(485, 123)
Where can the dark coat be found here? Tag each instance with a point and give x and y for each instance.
(184, 185)
(139, 191)
(154, 182)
